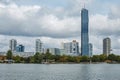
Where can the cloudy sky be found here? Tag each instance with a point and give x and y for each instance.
(56, 21)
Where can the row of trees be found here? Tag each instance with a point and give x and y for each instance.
(48, 57)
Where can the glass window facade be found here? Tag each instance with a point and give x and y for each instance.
(84, 33)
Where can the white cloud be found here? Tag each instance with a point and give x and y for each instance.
(24, 20)
(114, 12)
(103, 26)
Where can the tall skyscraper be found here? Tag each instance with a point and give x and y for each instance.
(106, 46)
(84, 32)
(90, 49)
(12, 45)
(20, 48)
(71, 48)
(38, 45)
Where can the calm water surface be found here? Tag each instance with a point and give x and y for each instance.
(59, 72)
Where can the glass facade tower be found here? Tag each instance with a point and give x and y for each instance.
(20, 48)
(84, 32)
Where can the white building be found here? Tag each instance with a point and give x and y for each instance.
(90, 49)
(23, 54)
(106, 46)
(71, 48)
(62, 52)
(54, 51)
(39, 46)
(12, 45)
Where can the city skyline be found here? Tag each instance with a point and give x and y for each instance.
(58, 21)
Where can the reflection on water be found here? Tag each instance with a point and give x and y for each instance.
(59, 72)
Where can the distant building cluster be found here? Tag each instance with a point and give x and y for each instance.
(68, 48)
(14, 47)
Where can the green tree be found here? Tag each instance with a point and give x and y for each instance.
(95, 58)
(63, 58)
(71, 59)
(32, 59)
(22, 59)
(102, 57)
(77, 59)
(85, 59)
(26, 59)
(112, 57)
(17, 59)
(9, 55)
(48, 56)
(118, 59)
(38, 58)
(57, 58)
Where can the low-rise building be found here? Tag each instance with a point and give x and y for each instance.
(23, 54)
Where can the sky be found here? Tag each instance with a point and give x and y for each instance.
(57, 21)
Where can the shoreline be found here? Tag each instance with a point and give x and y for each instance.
(66, 63)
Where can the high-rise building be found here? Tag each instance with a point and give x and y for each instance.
(38, 46)
(71, 48)
(12, 45)
(90, 49)
(106, 46)
(54, 51)
(84, 32)
(62, 52)
(20, 48)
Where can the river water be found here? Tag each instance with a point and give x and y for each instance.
(59, 72)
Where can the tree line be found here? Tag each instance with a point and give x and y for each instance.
(48, 57)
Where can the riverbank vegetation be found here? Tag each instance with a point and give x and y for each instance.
(49, 58)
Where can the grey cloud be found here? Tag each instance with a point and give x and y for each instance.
(36, 21)
(6, 1)
(41, 22)
(114, 12)
(101, 25)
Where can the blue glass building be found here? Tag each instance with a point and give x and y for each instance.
(84, 32)
(20, 48)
